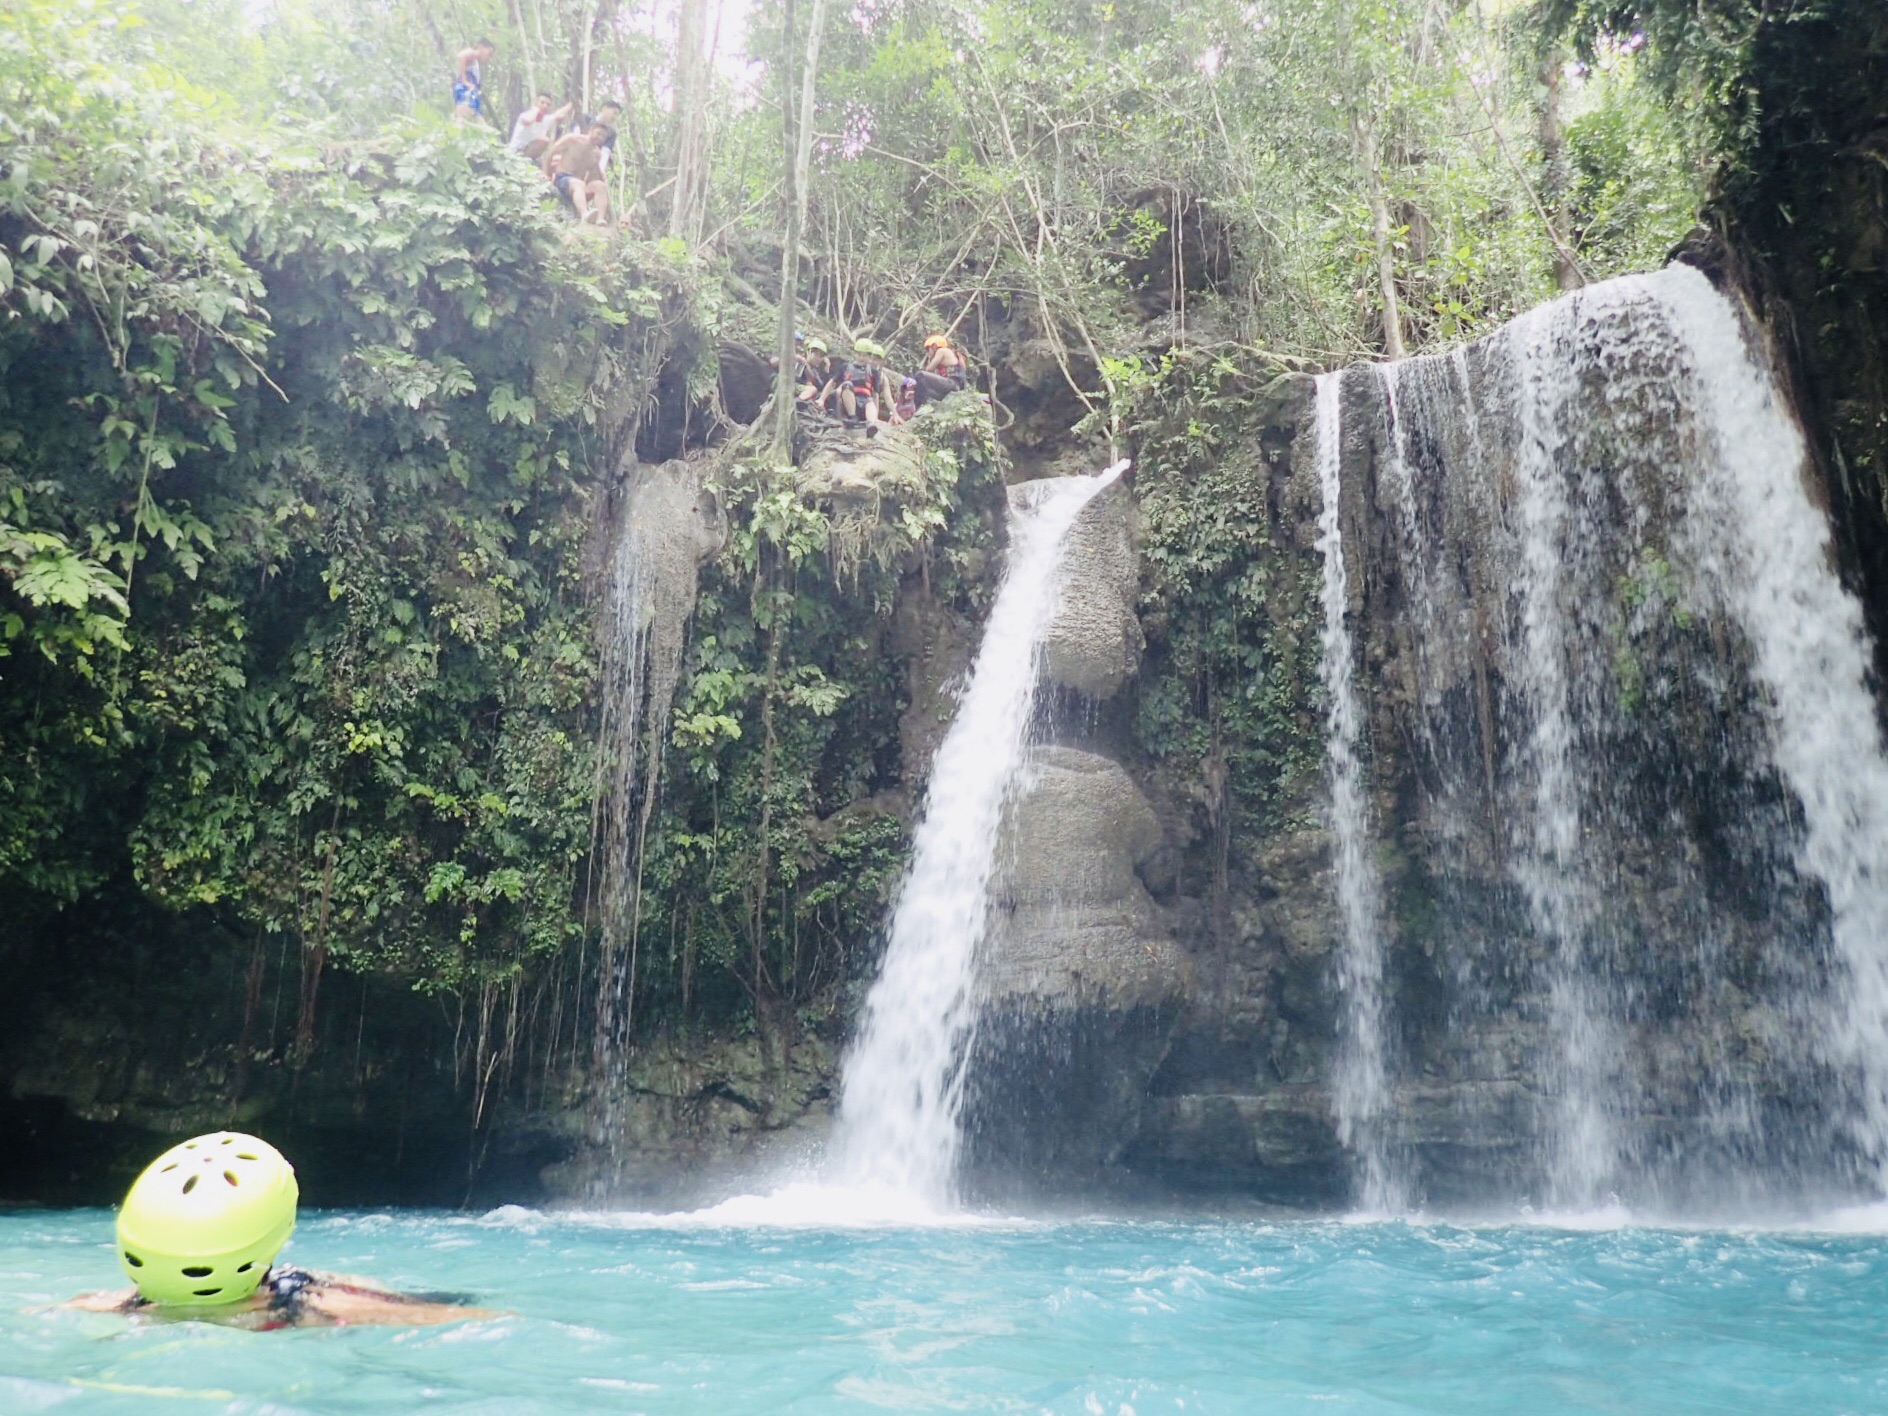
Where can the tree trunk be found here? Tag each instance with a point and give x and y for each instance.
(1369, 157)
(1554, 172)
(524, 48)
(784, 381)
(797, 148)
(691, 121)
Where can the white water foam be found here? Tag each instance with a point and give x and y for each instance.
(1362, 1081)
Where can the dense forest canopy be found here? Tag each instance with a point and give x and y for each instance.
(308, 392)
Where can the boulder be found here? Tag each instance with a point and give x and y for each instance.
(843, 466)
(1081, 984)
(1073, 925)
(747, 381)
(1093, 643)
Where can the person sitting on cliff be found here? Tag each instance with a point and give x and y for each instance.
(602, 126)
(199, 1234)
(943, 371)
(572, 166)
(468, 80)
(863, 386)
(907, 399)
(815, 370)
(536, 127)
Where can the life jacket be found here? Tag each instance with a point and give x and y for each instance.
(863, 378)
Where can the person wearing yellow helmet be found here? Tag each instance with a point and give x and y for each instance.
(864, 388)
(815, 370)
(199, 1234)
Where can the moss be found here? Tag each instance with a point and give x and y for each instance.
(1227, 692)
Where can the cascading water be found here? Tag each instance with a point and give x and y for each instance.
(1556, 544)
(904, 1079)
(1362, 1085)
(1642, 702)
(664, 529)
(1757, 535)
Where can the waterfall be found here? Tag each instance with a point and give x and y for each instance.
(1556, 536)
(1362, 1084)
(904, 1078)
(665, 526)
(1766, 546)
(1614, 611)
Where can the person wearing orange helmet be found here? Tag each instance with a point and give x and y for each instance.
(943, 371)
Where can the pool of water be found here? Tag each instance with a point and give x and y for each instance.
(626, 1313)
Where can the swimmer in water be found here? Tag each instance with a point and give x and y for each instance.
(199, 1233)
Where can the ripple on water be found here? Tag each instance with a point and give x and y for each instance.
(633, 1314)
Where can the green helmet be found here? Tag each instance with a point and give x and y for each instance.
(202, 1224)
(871, 348)
(816, 345)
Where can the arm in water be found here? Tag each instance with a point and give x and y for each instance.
(199, 1234)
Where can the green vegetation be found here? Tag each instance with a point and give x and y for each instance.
(309, 400)
(296, 449)
(1228, 695)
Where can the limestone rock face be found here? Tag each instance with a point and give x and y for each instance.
(1073, 924)
(1081, 978)
(1094, 641)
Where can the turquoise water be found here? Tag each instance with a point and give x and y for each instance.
(618, 1315)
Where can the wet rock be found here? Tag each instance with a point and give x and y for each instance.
(1073, 926)
(1082, 983)
(1093, 643)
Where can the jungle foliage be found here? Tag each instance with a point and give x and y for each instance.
(295, 451)
(308, 399)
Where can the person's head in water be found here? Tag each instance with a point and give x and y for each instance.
(203, 1223)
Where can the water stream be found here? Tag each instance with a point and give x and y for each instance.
(904, 1078)
(1361, 1084)
(1758, 536)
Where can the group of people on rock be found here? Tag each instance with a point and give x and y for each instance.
(859, 389)
(862, 390)
(573, 162)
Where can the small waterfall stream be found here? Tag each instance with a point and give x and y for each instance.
(1362, 1086)
(904, 1079)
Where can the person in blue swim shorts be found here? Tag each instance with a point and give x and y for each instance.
(468, 81)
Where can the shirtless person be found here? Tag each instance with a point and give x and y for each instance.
(468, 80)
(199, 1233)
(576, 170)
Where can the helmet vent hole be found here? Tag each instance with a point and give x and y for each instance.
(229, 1140)
(172, 1166)
(206, 1292)
(245, 1155)
(190, 1184)
(230, 1175)
(198, 1271)
(133, 1259)
(244, 1268)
